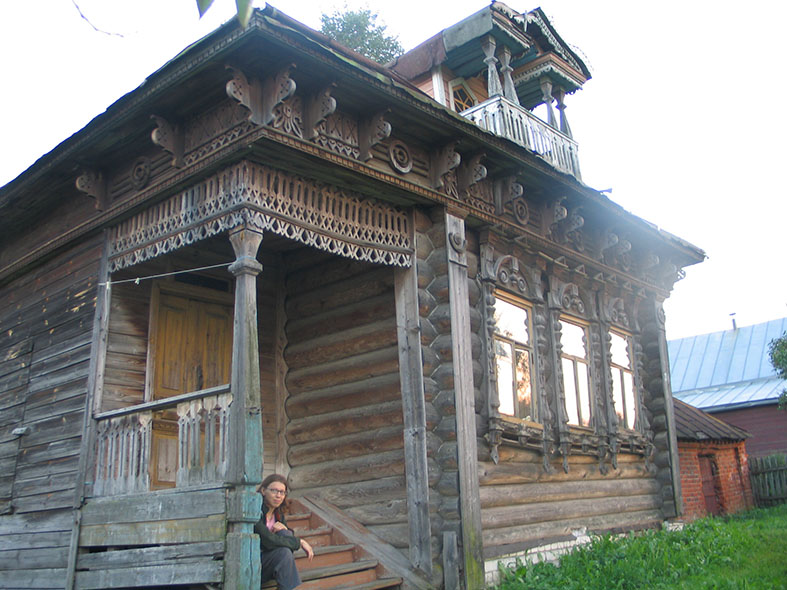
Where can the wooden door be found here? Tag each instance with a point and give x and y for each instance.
(708, 474)
(192, 350)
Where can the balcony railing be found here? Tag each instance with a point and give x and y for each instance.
(126, 449)
(506, 119)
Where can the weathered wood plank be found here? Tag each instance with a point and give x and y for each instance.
(386, 388)
(44, 522)
(355, 368)
(325, 426)
(38, 502)
(350, 445)
(38, 540)
(38, 579)
(349, 470)
(148, 555)
(200, 572)
(184, 530)
(381, 489)
(508, 495)
(512, 473)
(154, 506)
(31, 558)
(340, 318)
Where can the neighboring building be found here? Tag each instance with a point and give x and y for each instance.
(728, 374)
(452, 346)
(714, 468)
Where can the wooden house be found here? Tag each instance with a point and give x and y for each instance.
(729, 375)
(714, 466)
(388, 283)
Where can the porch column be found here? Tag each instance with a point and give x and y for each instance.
(462, 360)
(244, 504)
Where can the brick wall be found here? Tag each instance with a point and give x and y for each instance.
(732, 482)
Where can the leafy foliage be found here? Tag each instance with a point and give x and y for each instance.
(357, 29)
(777, 352)
(245, 8)
(743, 551)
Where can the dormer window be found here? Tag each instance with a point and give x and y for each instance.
(461, 96)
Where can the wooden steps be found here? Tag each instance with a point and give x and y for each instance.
(337, 564)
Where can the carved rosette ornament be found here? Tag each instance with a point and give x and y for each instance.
(399, 157)
(140, 173)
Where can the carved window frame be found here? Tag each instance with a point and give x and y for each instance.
(618, 372)
(575, 361)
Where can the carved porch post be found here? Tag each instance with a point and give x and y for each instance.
(242, 559)
(560, 97)
(509, 90)
(462, 360)
(546, 96)
(493, 87)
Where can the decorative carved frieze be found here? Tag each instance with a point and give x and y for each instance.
(613, 311)
(508, 190)
(170, 137)
(566, 226)
(288, 116)
(339, 133)
(94, 185)
(372, 131)
(443, 160)
(617, 252)
(318, 107)
(312, 213)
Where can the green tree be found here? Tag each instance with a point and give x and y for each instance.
(777, 352)
(358, 30)
(244, 7)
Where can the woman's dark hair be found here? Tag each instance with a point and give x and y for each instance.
(285, 506)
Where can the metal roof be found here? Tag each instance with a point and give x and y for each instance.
(728, 369)
(694, 424)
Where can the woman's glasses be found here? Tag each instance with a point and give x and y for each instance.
(277, 492)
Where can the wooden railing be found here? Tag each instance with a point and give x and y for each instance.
(506, 119)
(125, 441)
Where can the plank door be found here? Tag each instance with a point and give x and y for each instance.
(709, 489)
(192, 351)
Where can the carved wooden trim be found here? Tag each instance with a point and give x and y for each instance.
(94, 185)
(318, 107)
(170, 137)
(312, 213)
(443, 160)
(508, 190)
(372, 131)
(261, 98)
(469, 173)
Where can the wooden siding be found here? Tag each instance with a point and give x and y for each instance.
(345, 410)
(118, 537)
(767, 427)
(46, 321)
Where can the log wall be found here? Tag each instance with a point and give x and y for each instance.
(46, 322)
(344, 406)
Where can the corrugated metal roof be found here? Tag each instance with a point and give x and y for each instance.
(726, 369)
(694, 424)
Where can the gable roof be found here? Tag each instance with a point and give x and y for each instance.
(728, 369)
(694, 424)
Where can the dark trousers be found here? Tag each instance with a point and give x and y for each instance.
(279, 564)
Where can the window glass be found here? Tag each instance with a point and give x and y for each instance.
(514, 359)
(462, 99)
(624, 394)
(576, 372)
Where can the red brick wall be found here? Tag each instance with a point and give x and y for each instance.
(734, 486)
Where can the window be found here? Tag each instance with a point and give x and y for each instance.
(624, 393)
(514, 359)
(576, 372)
(462, 98)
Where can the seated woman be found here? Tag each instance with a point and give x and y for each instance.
(277, 542)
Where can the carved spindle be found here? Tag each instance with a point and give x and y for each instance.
(443, 161)
(560, 96)
(488, 45)
(169, 137)
(546, 96)
(509, 90)
(94, 185)
(372, 131)
(318, 107)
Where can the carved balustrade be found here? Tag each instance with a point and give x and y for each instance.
(506, 119)
(125, 449)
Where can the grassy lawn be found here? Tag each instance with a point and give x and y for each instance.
(747, 551)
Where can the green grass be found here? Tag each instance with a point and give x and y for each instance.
(742, 552)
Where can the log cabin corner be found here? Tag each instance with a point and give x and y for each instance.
(388, 283)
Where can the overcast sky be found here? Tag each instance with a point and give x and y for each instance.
(683, 117)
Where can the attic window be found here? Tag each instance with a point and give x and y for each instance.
(461, 96)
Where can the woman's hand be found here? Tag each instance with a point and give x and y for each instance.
(277, 527)
(308, 549)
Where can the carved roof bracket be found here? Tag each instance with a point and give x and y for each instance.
(470, 172)
(94, 185)
(261, 98)
(170, 137)
(506, 189)
(443, 160)
(372, 131)
(318, 107)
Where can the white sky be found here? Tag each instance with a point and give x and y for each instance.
(682, 118)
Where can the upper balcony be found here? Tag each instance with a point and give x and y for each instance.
(507, 119)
